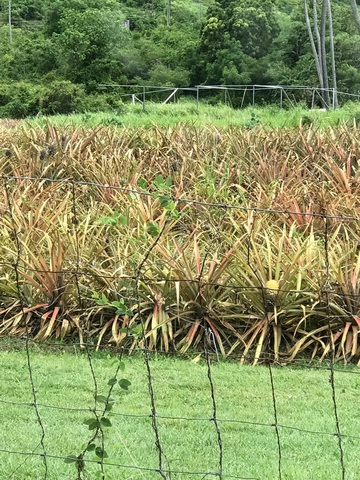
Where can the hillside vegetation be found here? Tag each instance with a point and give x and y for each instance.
(57, 55)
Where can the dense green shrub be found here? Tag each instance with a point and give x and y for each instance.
(103, 102)
(19, 100)
(61, 97)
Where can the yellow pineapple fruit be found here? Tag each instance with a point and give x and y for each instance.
(272, 289)
(273, 286)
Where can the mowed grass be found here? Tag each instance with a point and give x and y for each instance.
(245, 411)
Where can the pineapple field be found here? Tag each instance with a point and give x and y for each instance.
(241, 240)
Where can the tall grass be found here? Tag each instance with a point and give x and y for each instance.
(220, 115)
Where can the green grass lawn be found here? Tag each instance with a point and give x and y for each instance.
(243, 395)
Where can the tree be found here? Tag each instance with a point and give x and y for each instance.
(292, 58)
(235, 38)
(29, 57)
(254, 25)
(87, 38)
(356, 14)
(319, 47)
(332, 54)
(144, 15)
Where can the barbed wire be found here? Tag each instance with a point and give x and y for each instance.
(181, 200)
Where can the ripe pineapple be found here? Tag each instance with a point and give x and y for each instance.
(272, 289)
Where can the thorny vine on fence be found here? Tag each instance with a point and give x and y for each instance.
(166, 475)
(327, 290)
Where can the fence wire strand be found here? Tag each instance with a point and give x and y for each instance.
(328, 288)
(211, 352)
(27, 349)
(154, 421)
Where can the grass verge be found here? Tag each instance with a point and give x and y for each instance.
(304, 401)
(221, 116)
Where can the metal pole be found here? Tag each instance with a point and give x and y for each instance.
(10, 27)
(197, 98)
(143, 103)
(253, 99)
(281, 97)
(168, 12)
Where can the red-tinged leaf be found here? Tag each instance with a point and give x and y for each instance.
(355, 335)
(31, 309)
(344, 339)
(336, 336)
(256, 329)
(349, 342)
(52, 321)
(188, 340)
(179, 250)
(357, 320)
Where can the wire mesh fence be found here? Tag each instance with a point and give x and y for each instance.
(219, 434)
(237, 96)
(157, 298)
